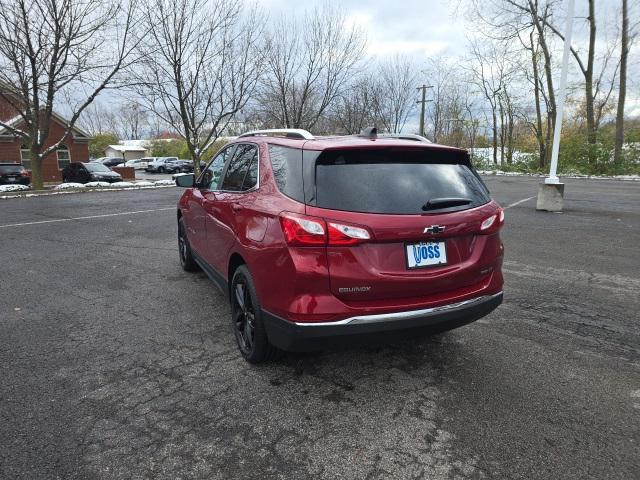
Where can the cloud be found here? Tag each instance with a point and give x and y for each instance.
(407, 47)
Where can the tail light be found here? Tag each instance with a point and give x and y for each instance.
(305, 231)
(340, 234)
(25, 173)
(493, 223)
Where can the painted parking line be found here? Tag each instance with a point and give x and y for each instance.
(88, 217)
(519, 202)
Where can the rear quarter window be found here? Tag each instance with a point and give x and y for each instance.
(286, 164)
(395, 181)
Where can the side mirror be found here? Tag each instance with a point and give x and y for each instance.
(186, 180)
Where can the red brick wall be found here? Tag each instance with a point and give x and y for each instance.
(78, 150)
(6, 110)
(9, 151)
(128, 173)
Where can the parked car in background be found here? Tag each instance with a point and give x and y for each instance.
(320, 241)
(14, 174)
(138, 163)
(109, 161)
(89, 172)
(180, 166)
(161, 164)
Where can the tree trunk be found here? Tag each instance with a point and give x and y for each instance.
(37, 180)
(502, 132)
(542, 148)
(622, 91)
(495, 137)
(510, 133)
(551, 111)
(588, 83)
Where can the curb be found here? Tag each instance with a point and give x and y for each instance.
(46, 193)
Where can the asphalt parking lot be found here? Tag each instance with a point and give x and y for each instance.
(116, 364)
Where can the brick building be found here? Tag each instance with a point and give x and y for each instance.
(13, 150)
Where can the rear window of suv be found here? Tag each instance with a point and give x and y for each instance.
(10, 169)
(396, 181)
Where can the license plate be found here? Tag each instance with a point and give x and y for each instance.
(13, 179)
(426, 254)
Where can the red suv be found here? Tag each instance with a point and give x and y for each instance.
(319, 240)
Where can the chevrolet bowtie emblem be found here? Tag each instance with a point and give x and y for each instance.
(434, 229)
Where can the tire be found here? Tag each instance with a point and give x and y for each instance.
(160, 169)
(187, 261)
(246, 318)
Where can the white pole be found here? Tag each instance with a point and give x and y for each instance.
(553, 177)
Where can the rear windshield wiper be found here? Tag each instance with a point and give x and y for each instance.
(436, 203)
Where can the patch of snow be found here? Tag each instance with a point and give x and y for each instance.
(144, 183)
(499, 173)
(97, 184)
(122, 185)
(164, 182)
(65, 186)
(13, 188)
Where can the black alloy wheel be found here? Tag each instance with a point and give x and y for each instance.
(186, 258)
(247, 319)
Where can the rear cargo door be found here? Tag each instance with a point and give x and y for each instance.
(423, 209)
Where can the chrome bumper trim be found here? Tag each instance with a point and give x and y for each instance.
(389, 317)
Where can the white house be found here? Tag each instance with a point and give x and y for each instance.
(127, 152)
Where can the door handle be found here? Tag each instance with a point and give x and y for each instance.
(236, 207)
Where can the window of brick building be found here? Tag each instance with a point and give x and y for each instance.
(25, 157)
(64, 157)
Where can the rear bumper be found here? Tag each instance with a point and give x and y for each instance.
(296, 337)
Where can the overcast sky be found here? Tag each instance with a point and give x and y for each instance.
(422, 28)
(427, 28)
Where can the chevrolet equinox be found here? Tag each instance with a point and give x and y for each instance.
(325, 240)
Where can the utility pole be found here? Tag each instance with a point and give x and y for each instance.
(424, 103)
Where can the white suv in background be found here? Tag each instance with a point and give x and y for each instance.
(159, 164)
(138, 163)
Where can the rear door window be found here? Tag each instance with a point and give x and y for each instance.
(395, 181)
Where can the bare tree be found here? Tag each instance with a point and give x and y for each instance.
(132, 119)
(97, 119)
(357, 107)
(597, 94)
(53, 49)
(622, 90)
(201, 65)
(398, 80)
(490, 72)
(441, 76)
(309, 64)
(543, 125)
